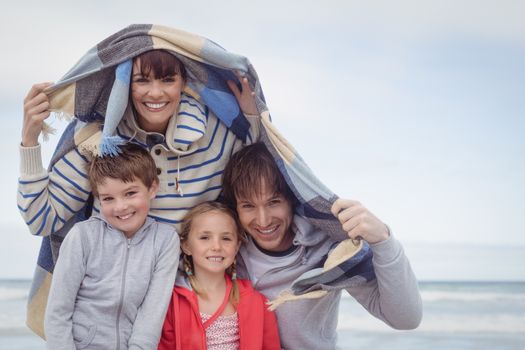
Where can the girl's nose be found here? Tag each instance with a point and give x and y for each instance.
(216, 244)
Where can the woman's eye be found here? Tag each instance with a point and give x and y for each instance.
(170, 79)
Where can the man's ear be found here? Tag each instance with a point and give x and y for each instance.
(153, 189)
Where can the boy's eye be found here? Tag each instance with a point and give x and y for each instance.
(246, 206)
(275, 201)
(203, 237)
(106, 199)
(130, 193)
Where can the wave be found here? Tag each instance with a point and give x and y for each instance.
(436, 296)
(457, 324)
(12, 294)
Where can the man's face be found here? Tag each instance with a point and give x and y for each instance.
(267, 218)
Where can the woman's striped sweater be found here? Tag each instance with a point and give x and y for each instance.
(190, 160)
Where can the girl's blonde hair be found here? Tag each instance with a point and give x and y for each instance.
(203, 208)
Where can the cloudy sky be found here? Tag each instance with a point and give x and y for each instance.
(415, 108)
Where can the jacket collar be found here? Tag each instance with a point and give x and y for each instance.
(137, 237)
(305, 234)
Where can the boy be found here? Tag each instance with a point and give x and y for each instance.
(283, 245)
(115, 272)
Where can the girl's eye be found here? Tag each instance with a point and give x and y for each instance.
(246, 206)
(275, 201)
(169, 79)
(107, 199)
(203, 237)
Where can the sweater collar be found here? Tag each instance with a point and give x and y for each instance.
(184, 129)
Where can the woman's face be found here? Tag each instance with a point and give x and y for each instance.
(155, 100)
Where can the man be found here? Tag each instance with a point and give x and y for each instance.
(283, 245)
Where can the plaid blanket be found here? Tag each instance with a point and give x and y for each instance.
(83, 94)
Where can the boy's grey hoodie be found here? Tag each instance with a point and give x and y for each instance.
(312, 323)
(108, 291)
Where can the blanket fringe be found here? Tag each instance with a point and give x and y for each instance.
(287, 295)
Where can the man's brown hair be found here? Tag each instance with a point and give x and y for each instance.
(248, 171)
(133, 162)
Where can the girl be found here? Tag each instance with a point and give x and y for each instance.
(210, 307)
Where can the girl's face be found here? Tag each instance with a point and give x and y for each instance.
(212, 243)
(155, 100)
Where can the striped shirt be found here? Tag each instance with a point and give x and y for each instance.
(190, 160)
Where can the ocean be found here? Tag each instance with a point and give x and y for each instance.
(457, 315)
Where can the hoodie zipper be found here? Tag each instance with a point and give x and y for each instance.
(121, 301)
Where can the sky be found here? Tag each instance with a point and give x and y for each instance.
(414, 108)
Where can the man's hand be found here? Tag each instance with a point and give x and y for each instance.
(359, 222)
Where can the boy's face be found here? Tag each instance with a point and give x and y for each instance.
(125, 205)
(267, 218)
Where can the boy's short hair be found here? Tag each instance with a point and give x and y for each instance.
(248, 170)
(133, 162)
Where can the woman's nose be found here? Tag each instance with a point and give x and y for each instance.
(155, 89)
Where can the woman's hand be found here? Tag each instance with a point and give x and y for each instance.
(246, 97)
(359, 222)
(36, 110)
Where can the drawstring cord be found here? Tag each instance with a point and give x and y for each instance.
(178, 186)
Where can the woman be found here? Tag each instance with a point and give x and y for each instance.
(181, 107)
(188, 142)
